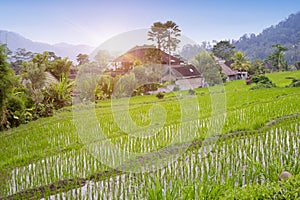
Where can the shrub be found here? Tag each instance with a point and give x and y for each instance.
(295, 82)
(260, 79)
(176, 88)
(191, 92)
(262, 82)
(160, 95)
(16, 112)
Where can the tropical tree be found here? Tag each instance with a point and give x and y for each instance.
(172, 34)
(125, 86)
(165, 34)
(223, 50)
(140, 74)
(41, 58)
(105, 86)
(87, 81)
(52, 56)
(102, 58)
(240, 62)
(18, 57)
(58, 67)
(257, 67)
(34, 76)
(59, 94)
(157, 33)
(277, 58)
(206, 65)
(6, 85)
(82, 59)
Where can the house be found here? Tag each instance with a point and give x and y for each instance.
(145, 54)
(229, 72)
(184, 77)
(174, 70)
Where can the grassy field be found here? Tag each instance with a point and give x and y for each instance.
(233, 136)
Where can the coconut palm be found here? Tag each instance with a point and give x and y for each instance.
(240, 62)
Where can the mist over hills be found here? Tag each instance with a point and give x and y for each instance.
(15, 41)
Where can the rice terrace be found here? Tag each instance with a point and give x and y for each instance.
(150, 113)
(260, 138)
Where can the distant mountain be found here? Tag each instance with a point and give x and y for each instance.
(285, 33)
(15, 41)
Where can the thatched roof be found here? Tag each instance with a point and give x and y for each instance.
(227, 70)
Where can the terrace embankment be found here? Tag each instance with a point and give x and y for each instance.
(69, 184)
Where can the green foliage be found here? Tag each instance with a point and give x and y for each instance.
(105, 86)
(208, 68)
(7, 80)
(140, 74)
(34, 79)
(240, 62)
(59, 94)
(87, 82)
(82, 59)
(18, 57)
(16, 112)
(160, 95)
(102, 57)
(295, 82)
(277, 58)
(223, 50)
(125, 86)
(260, 79)
(191, 92)
(59, 67)
(44, 109)
(257, 68)
(297, 65)
(262, 82)
(287, 189)
(201, 172)
(165, 34)
(279, 78)
(285, 33)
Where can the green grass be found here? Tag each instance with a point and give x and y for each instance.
(54, 141)
(280, 78)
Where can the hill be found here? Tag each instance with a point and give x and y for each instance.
(285, 33)
(15, 41)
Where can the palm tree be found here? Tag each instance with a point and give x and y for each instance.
(240, 62)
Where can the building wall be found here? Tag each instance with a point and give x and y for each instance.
(192, 83)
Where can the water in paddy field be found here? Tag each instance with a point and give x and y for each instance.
(241, 159)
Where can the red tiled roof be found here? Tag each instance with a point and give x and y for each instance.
(139, 52)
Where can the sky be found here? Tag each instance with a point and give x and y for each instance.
(93, 22)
